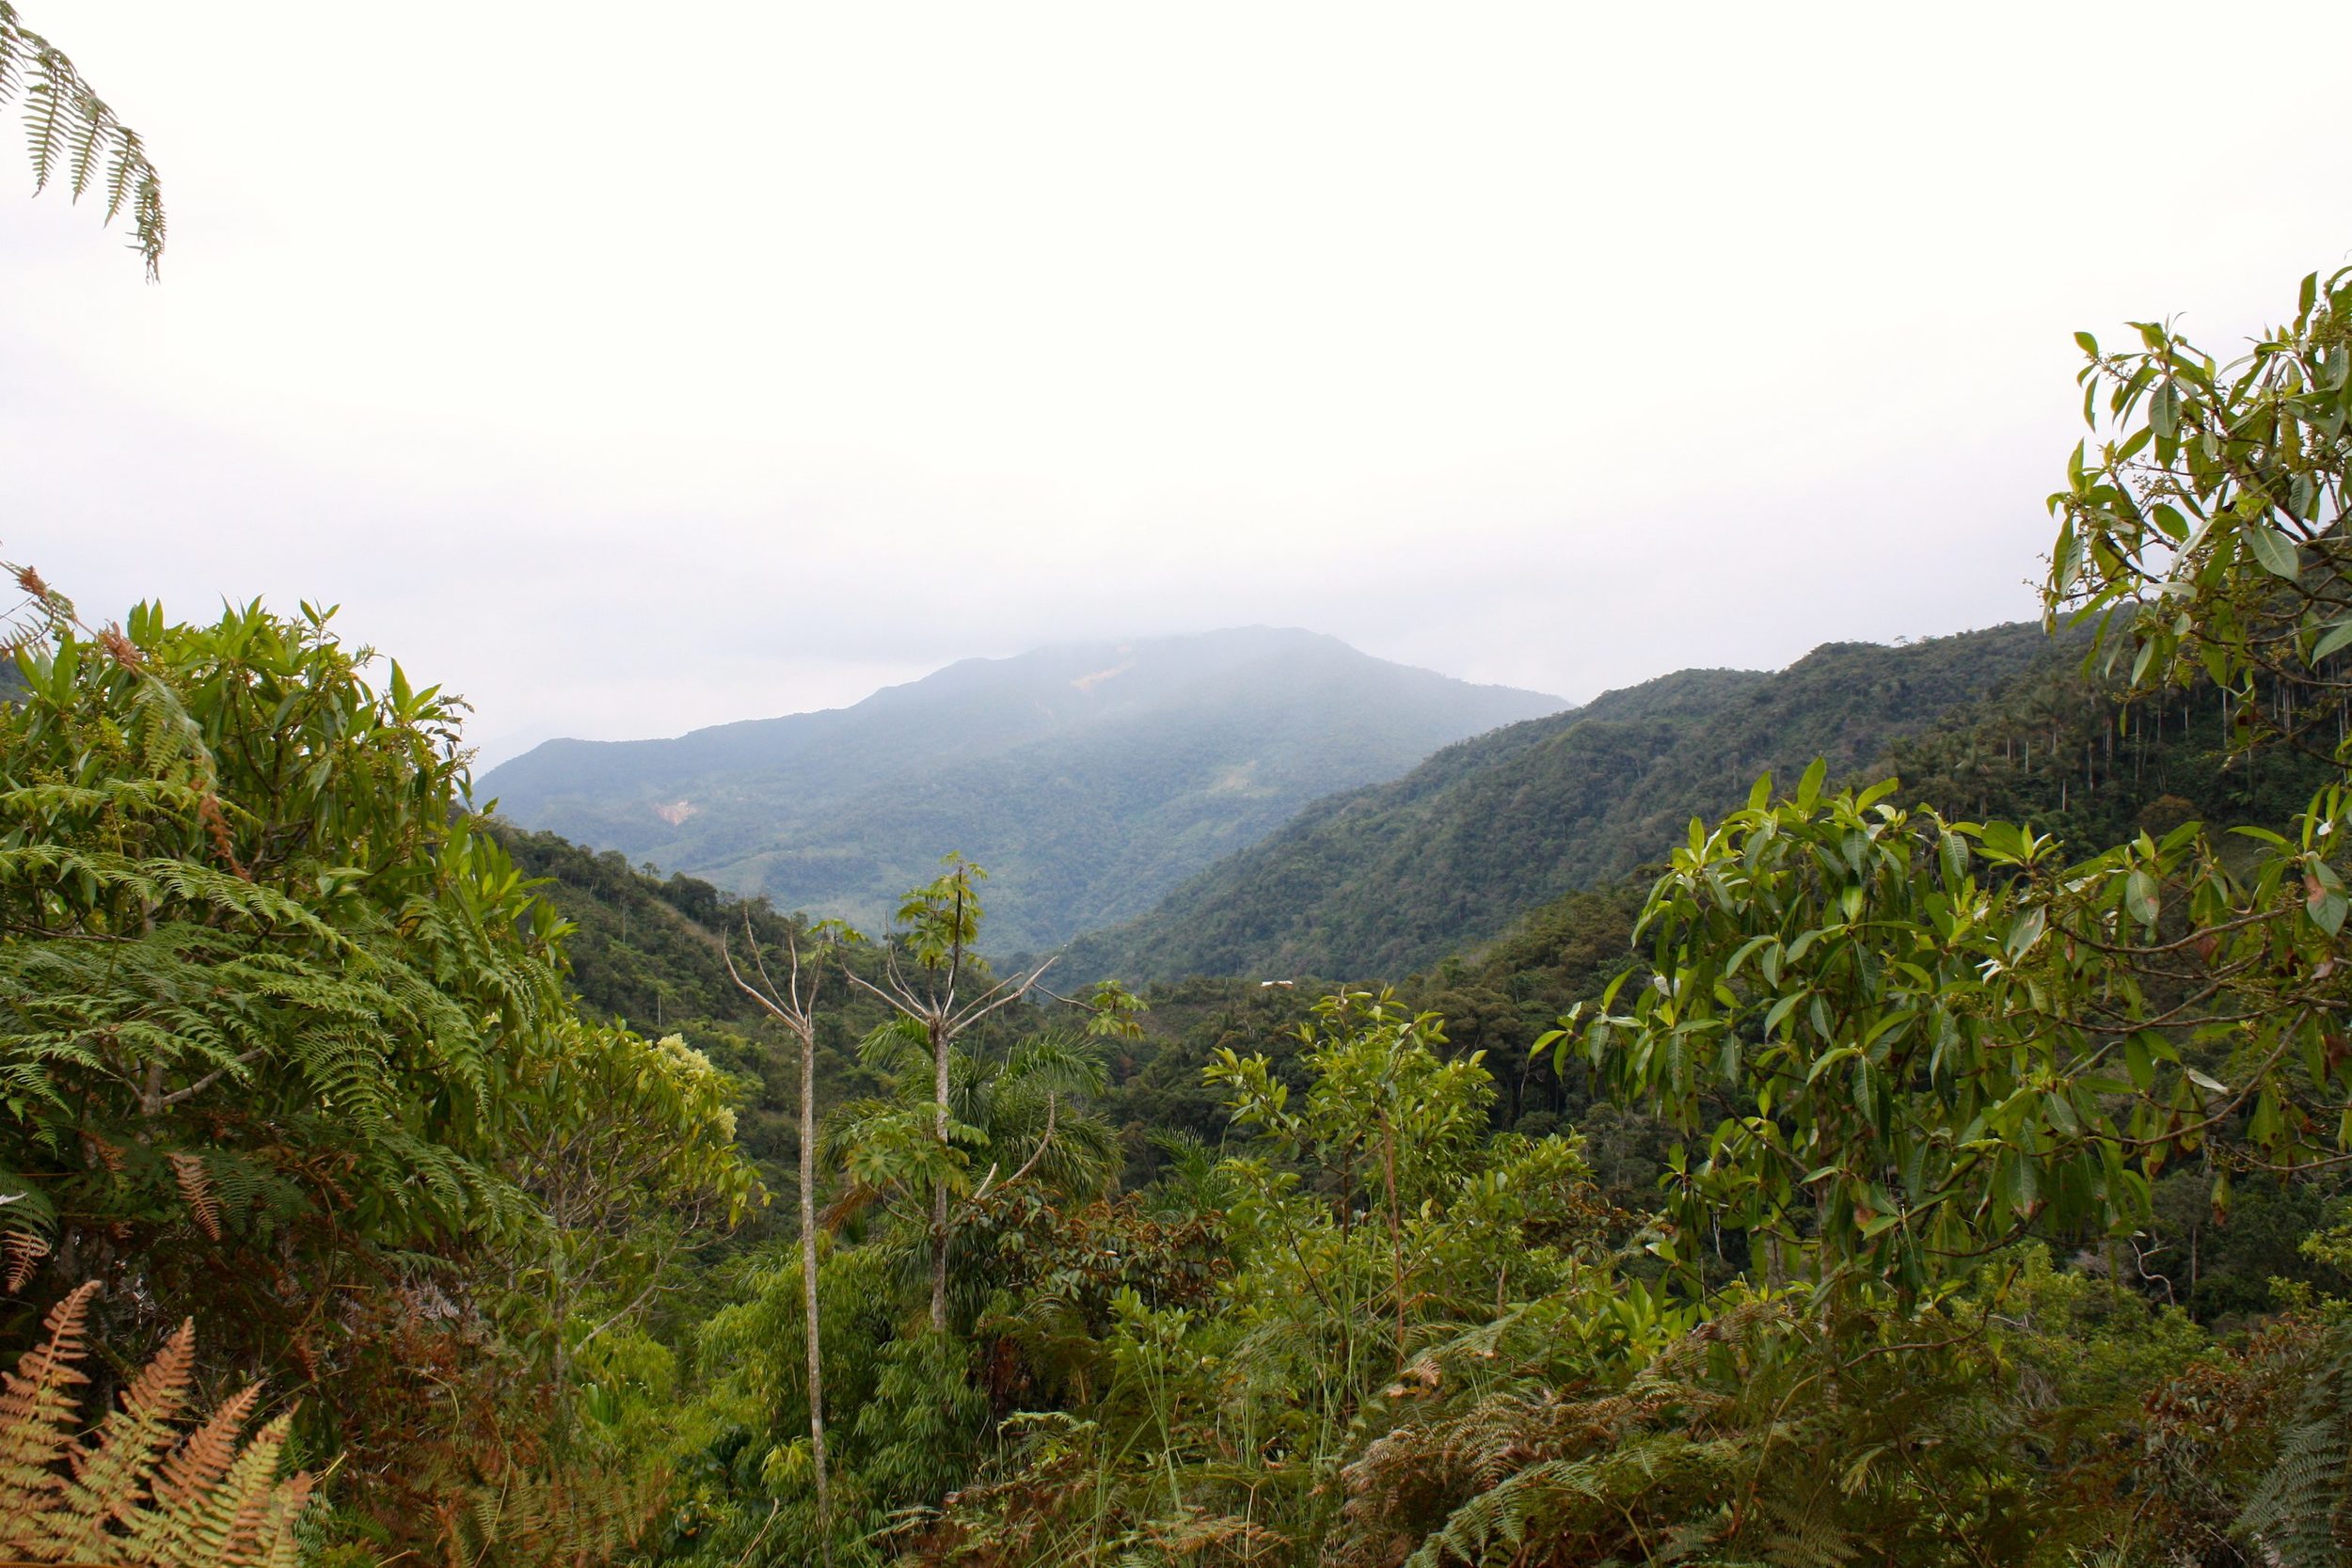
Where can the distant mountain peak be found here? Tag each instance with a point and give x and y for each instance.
(1088, 776)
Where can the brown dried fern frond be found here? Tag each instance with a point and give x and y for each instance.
(136, 1492)
(110, 1474)
(195, 1187)
(36, 1413)
(21, 1248)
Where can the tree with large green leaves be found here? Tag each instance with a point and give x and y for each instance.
(1905, 1042)
(1901, 1044)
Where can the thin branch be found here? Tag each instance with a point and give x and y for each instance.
(987, 1183)
(902, 1002)
(177, 1096)
(981, 1009)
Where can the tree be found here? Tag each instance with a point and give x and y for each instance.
(1013, 1119)
(76, 138)
(2206, 534)
(795, 1008)
(1938, 1037)
(626, 1147)
(262, 976)
(937, 925)
(285, 1046)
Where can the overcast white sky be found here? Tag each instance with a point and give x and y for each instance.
(632, 368)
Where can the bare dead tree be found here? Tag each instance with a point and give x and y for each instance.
(794, 1006)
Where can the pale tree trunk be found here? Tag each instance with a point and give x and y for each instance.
(943, 1040)
(796, 1011)
(808, 1290)
(939, 1193)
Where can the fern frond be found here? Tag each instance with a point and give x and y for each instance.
(46, 106)
(110, 1475)
(21, 1249)
(190, 1473)
(12, 47)
(197, 1187)
(69, 129)
(122, 169)
(529, 1519)
(36, 1415)
(147, 217)
(86, 142)
(2302, 1515)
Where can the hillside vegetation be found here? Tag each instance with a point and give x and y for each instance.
(1392, 876)
(1090, 780)
(1939, 1155)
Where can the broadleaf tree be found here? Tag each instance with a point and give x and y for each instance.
(1906, 1042)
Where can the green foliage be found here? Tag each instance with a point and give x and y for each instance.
(286, 1047)
(1920, 1040)
(1861, 1005)
(942, 918)
(1937, 1034)
(75, 139)
(651, 951)
(1940, 1190)
(2208, 527)
(246, 927)
(1022, 1115)
(626, 1147)
(1985, 1430)
(2303, 1513)
(1371, 1214)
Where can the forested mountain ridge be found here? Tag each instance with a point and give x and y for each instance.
(1394, 876)
(1090, 779)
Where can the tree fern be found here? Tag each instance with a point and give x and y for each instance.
(74, 138)
(138, 1491)
(2302, 1515)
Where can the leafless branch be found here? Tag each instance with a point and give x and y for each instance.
(177, 1096)
(987, 1183)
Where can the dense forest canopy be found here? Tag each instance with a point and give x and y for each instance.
(1937, 1155)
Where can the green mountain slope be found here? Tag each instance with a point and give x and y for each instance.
(1391, 878)
(1089, 780)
